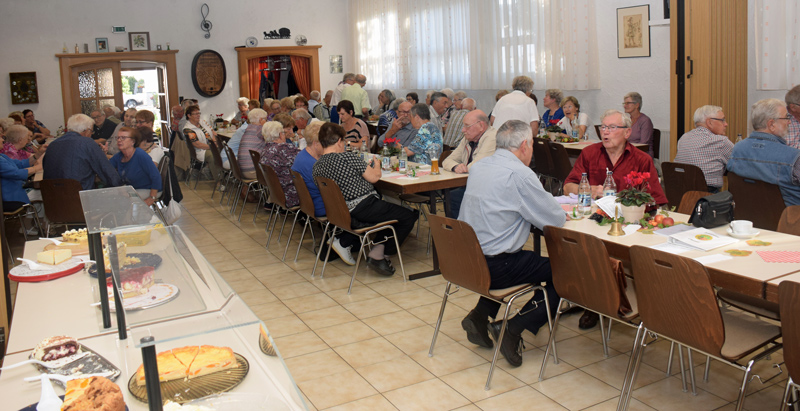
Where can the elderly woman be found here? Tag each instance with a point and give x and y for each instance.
(274, 109)
(149, 143)
(251, 140)
(243, 103)
(135, 167)
(16, 139)
(287, 104)
(14, 173)
(642, 128)
(428, 135)
(253, 104)
(552, 101)
(387, 118)
(300, 102)
(356, 130)
(280, 156)
(288, 128)
(574, 120)
(199, 133)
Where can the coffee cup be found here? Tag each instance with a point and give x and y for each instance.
(742, 226)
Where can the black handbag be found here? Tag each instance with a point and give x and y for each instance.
(713, 211)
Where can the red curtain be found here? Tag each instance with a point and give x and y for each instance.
(302, 74)
(254, 76)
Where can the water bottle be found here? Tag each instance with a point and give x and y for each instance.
(585, 195)
(738, 138)
(402, 161)
(364, 151)
(386, 158)
(609, 186)
(542, 131)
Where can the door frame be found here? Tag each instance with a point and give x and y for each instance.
(247, 53)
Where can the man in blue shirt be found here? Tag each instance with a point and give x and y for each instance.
(401, 129)
(503, 199)
(76, 156)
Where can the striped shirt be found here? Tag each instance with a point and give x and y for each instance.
(704, 149)
(453, 134)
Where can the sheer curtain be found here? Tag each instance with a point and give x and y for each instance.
(475, 44)
(777, 44)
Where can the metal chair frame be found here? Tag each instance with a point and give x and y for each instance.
(240, 182)
(278, 199)
(307, 207)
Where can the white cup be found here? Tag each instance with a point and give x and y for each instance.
(742, 226)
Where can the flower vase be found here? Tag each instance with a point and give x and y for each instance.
(633, 214)
(553, 135)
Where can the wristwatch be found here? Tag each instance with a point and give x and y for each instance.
(154, 198)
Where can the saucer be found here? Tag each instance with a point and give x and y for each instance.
(742, 236)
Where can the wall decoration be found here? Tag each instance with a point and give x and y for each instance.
(139, 41)
(205, 25)
(633, 31)
(251, 42)
(208, 73)
(336, 64)
(23, 88)
(282, 33)
(101, 43)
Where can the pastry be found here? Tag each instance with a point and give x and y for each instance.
(53, 257)
(122, 256)
(211, 359)
(191, 362)
(80, 236)
(135, 238)
(169, 368)
(135, 281)
(94, 393)
(56, 347)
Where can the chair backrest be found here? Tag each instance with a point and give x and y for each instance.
(757, 201)
(306, 202)
(444, 155)
(461, 259)
(656, 143)
(561, 164)
(676, 299)
(541, 156)
(582, 271)
(237, 171)
(689, 200)
(276, 193)
(790, 220)
(163, 169)
(214, 147)
(62, 203)
(190, 147)
(680, 178)
(789, 302)
(260, 176)
(335, 206)
(597, 130)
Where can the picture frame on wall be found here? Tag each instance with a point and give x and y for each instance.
(101, 44)
(336, 64)
(139, 41)
(633, 31)
(24, 89)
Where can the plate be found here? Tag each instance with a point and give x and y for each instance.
(185, 390)
(145, 260)
(24, 274)
(251, 42)
(265, 346)
(236, 401)
(158, 294)
(32, 407)
(742, 236)
(93, 363)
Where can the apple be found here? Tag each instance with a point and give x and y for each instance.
(668, 222)
(659, 218)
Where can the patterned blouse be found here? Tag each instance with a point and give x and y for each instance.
(280, 156)
(14, 153)
(347, 170)
(252, 139)
(387, 118)
(427, 136)
(359, 131)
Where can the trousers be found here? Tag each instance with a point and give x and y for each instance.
(373, 210)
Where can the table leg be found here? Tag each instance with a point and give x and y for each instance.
(432, 206)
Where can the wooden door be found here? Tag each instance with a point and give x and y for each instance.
(94, 86)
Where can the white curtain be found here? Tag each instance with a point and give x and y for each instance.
(475, 44)
(777, 44)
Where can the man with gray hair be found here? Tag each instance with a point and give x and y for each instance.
(301, 119)
(764, 155)
(451, 132)
(439, 104)
(503, 199)
(323, 110)
(358, 96)
(401, 129)
(313, 101)
(517, 105)
(793, 107)
(74, 155)
(469, 104)
(707, 146)
(111, 114)
(347, 80)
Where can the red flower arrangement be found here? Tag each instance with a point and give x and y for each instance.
(635, 194)
(390, 140)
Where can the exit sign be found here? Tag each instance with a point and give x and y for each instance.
(117, 29)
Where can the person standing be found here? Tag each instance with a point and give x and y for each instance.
(516, 105)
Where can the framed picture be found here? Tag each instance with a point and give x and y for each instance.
(633, 31)
(139, 41)
(23, 88)
(336, 64)
(101, 43)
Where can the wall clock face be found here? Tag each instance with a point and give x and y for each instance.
(251, 42)
(208, 73)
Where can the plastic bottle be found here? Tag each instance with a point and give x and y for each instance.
(386, 158)
(609, 186)
(585, 195)
(364, 151)
(402, 161)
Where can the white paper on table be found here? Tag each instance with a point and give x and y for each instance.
(631, 228)
(671, 248)
(608, 204)
(678, 228)
(710, 259)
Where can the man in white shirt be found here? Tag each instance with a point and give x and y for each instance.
(348, 80)
(517, 105)
(358, 96)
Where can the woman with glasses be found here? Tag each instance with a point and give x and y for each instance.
(199, 134)
(135, 166)
(575, 120)
(280, 156)
(642, 128)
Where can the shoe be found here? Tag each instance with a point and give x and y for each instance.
(383, 267)
(511, 343)
(221, 188)
(344, 252)
(477, 329)
(588, 320)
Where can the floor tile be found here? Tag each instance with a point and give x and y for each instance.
(395, 373)
(393, 322)
(373, 403)
(347, 333)
(283, 326)
(301, 289)
(311, 302)
(612, 372)
(300, 344)
(576, 390)
(371, 308)
(315, 365)
(471, 382)
(414, 298)
(520, 399)
(368, 352)
(268, 311)
(448, 359)
(581, 351)
(336, 389)
(418, 339)
(326, 317)
(666, 395)
(433, 395)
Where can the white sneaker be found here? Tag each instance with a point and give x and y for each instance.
(344, 253)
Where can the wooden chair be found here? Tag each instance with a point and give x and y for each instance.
(689, 200)
(542, 160)
(561, 164)
(261, 187)
(656, 143)
(757, 201)
(790, 220)
(789, 297)
(225, 173)
(62, 203)
(583, 276)
(194, 163)
(597, 130)
(462, 264)
(677, 302)
(278, 199)
(239, 181)
(339, 216)
(680, 178)
(307, 207)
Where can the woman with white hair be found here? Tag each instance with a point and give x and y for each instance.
(16, 139)
(14, 173)
(251, 140)
(243, 104)
(642, 127)
(280, 156)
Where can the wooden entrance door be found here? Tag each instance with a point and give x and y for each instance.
(94, 86)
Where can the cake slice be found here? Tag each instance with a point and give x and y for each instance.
(93, 393)
(122, 254)
(211, 359)
(53, 348)
(79, 237)
(135, 281)
(186, 355)
(53, 257)
(169, 368)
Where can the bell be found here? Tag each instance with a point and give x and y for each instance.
(616, 229)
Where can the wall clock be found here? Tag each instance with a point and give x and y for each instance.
(208, 73)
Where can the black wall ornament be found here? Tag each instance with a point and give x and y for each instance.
(282, 33)
(205, 25)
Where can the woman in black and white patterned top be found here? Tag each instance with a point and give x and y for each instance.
(355, 179)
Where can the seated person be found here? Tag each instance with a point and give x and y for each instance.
(355, 179)
(14, 172)
(401, 129)
(428, 136)
(356, 130)
(129, 120)
(503, 199)
(552, 101)
(641, 126)
(16, 140)
(150, 144)
(388, 116)
(707, 146)
(199, 133)
(75, 156)
(243, 104)
(251, 139)
(280, 156)
(301, 119)
(575, 120)
(103, 128)
(135, 167)
(301, 102)
(322, 111)
(40, 132)
(764, 155)
(286, 120)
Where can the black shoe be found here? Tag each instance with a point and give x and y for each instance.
(511, 343)
(588, 320)
(383, 267)
(477, 329)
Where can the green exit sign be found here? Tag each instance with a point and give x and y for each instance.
(117, 29)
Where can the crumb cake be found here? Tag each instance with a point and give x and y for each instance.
(135, 281)
(80, 236)
(122, 256)
(191, 362)
(94, 393)
(53, 348)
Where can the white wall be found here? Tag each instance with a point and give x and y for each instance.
(32, 32)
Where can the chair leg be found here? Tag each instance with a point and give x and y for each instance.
(399, 254)
(328, 254)
(244, 202)
(708, 368)
(743, 388)
(683, 370)
(274, 221)
(628, 381)
(283, 224)
(551, 343)
(302, 235)
(439, 320)
(258, 204)
(691, 371)
(671, 354)
(603, 335)
(319, 252)
(199, 173)
(289, 240)
(498, 344)
(785, 400)
(358, 262)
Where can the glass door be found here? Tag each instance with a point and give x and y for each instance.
(95, 86)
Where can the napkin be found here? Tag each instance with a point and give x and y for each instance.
(780, 256)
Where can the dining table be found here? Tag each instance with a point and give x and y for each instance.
(225, 134)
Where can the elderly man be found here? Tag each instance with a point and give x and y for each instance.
(40, 132)
(452, 132)
(312, 103)
(438, 107)
(469, 104)
(517, 105)
(503, 199)
(764, 155)
(707, 146)
(322, 110)
(458, 99)
(793, 107)
(478, 142)
(402, 130)
(347, 80)
(301, 119)
(75, 156)
(103, 128)
(385, 98)
(358, 96)
(111, 114)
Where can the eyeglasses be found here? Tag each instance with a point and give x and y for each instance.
(465, 126)
(119, 137)
(403, 112)
(96, 117)
(627, 103)
(787, 118)
(140, 122)
(612, 127)
(718, 119)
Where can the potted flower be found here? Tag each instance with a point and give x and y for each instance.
(634, 198)
(554, 132)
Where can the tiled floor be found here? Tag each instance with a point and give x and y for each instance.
(369, 350)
